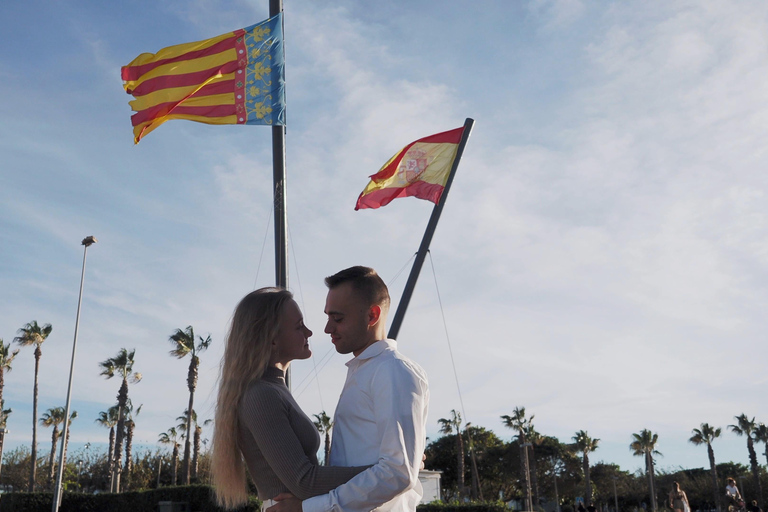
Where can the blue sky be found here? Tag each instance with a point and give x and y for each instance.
(601, 260)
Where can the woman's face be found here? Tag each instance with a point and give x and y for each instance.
(293, 337)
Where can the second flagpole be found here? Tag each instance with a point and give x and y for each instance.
(410, 285)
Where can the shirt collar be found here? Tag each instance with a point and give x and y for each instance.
(373, 350)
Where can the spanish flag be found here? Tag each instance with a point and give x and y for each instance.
(235, 78)
(420, 169)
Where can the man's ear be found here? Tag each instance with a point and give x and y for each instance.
(374, 314)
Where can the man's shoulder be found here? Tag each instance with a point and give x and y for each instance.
(394, 361)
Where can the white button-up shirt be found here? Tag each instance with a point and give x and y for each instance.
(381, 420)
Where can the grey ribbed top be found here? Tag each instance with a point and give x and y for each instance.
(279, 443)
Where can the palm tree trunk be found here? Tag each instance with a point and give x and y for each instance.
(755, 468)
(460, 463)
(2, 441)
(185, 467)
(122, 400)
(196, 451)
(2, 384)
(66, 446)
(327, 451)
(587, 481)
(128, 450)
(33, 455)
(175, 463)
(651, 485)
(713, 472)
(51, 458)
(526, 473)
(111, 452)
(191, 384)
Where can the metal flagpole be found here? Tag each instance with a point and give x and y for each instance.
(278, 179)
(410, 285)
(88, 241)
(278, 176)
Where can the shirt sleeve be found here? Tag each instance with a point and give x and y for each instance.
(400, 396)
(282, 449)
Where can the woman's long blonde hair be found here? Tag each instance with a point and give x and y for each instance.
(255, 325)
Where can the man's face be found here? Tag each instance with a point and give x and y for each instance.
(348, 319)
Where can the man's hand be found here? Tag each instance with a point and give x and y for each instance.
(286, 502)
(423, 460)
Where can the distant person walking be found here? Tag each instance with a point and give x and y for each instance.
(678, 500)
(735, 501)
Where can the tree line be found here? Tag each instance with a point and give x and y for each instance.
(535, 469)
(119, 419)
(529, 468)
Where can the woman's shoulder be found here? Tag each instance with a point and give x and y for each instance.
(261, 393)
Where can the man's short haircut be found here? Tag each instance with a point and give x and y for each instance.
(365, 281)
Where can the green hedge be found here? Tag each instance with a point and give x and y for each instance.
(199, 498)
(489, 506)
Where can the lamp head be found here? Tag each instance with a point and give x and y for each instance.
(89, 240)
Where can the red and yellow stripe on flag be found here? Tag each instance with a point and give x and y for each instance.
(420, 169)
(234, 78)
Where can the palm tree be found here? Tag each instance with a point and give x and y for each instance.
(324, 424)
(108, 419)
(4, 413)
(33, 334)
(122, 365)
(6, 359)
(585, 445)
(197, 439)
(448, 426)
(644, 444)
(184, 343)
(130, 426)
(522, 425)
(170, 437)
(53, 417)
(705, 435)
(746, 427)
(761, 436)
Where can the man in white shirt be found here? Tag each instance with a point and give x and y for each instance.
(382, 412)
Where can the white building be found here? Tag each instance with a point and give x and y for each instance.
(430, 482)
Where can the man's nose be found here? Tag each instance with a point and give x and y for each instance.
(328, 329)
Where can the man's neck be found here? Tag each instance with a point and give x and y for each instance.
(365, 347)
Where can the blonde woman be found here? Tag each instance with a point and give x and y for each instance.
(257, 420)
(678, 500)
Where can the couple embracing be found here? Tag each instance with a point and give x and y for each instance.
(379, 425)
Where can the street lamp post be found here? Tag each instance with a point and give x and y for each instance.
(87, 242)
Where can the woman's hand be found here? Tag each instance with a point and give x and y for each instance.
(286, 502)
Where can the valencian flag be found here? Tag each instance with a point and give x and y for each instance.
(420, 169)
(235, 78)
